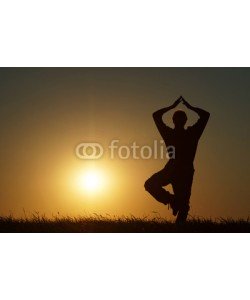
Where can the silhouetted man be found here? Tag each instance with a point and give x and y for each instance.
(178, 171)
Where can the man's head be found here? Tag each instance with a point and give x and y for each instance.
(179, 118)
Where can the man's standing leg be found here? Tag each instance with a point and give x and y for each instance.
(182, 190)
(183, 210)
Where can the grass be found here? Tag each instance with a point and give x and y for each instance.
(99, 224)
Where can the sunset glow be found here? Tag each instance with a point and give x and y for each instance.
(90, 181)
(47, 113)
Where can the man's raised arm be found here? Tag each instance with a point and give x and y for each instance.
(157, 116)
(201, 112)
(204, 116)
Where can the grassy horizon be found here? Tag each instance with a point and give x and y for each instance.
(125, 224)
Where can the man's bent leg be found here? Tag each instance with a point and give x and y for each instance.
(154, 185)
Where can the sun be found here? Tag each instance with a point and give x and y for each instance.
(91, 181)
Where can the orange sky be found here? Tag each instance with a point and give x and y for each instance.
(46, 113)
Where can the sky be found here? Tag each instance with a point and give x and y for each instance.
(47, 112)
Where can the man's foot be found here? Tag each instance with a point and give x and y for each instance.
(180, 221)
(174, 207)
(182, 215)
